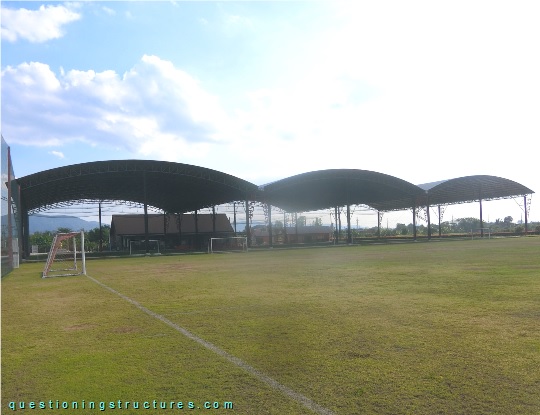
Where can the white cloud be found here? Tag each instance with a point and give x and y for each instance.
(152, 103)
(36, 26)
(407, 89)
(58, 154)
(109, 11)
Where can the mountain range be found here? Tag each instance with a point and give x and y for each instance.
(43, 223)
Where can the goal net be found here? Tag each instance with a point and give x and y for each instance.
(138, 247)
(229, 244)
(66, 256)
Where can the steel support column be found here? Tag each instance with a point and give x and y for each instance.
(378, 224)
(428, 219)
(196, 230)
(285, 237)
(248, 236)
(481, 221)
(339, 221)
(26, 232)
(349, 232)
(165, 220)
(296, 226)
(214, 221)
(414, 221)
(146, 235)
(100, 231)
(440, 232)
(336, 232)
(270, 236)
(234, 216)
(526, 216)
(9, 210)
(179, 217)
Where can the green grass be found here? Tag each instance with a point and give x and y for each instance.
(420, 328)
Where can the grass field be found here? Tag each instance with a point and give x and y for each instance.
(419, 328)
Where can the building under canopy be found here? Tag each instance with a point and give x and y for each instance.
(181, 231)
(178, 188)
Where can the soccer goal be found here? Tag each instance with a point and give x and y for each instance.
(481, 231)
(138, 247)
(66, 256)
(228, 244)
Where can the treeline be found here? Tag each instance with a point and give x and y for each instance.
(458, 226)
(43, 240)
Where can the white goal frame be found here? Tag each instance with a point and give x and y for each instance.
(244, 245)
(70, 267)
(131, 242)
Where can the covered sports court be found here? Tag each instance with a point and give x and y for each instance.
(176, 188)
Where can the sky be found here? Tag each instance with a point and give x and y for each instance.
(263, 90)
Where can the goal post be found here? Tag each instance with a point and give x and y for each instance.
(66, 256)
(228, 244)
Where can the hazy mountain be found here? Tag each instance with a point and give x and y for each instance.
(42, 223)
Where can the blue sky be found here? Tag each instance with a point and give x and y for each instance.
(420, 90)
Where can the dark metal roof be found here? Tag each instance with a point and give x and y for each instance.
(178, 188)
(328, 188)
(172, 187)
(471, 188)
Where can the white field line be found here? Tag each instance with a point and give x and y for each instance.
(298, 397)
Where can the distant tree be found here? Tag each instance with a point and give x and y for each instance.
(92, 238)
(467, 224)
(508, 220)
(317, 221)
(63, 230)
(301, 221)
(401, 229)
(43, 240)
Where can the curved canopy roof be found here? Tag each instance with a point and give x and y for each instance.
(178, 188)
(327, 188)
(172, 187)
(471, 188)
